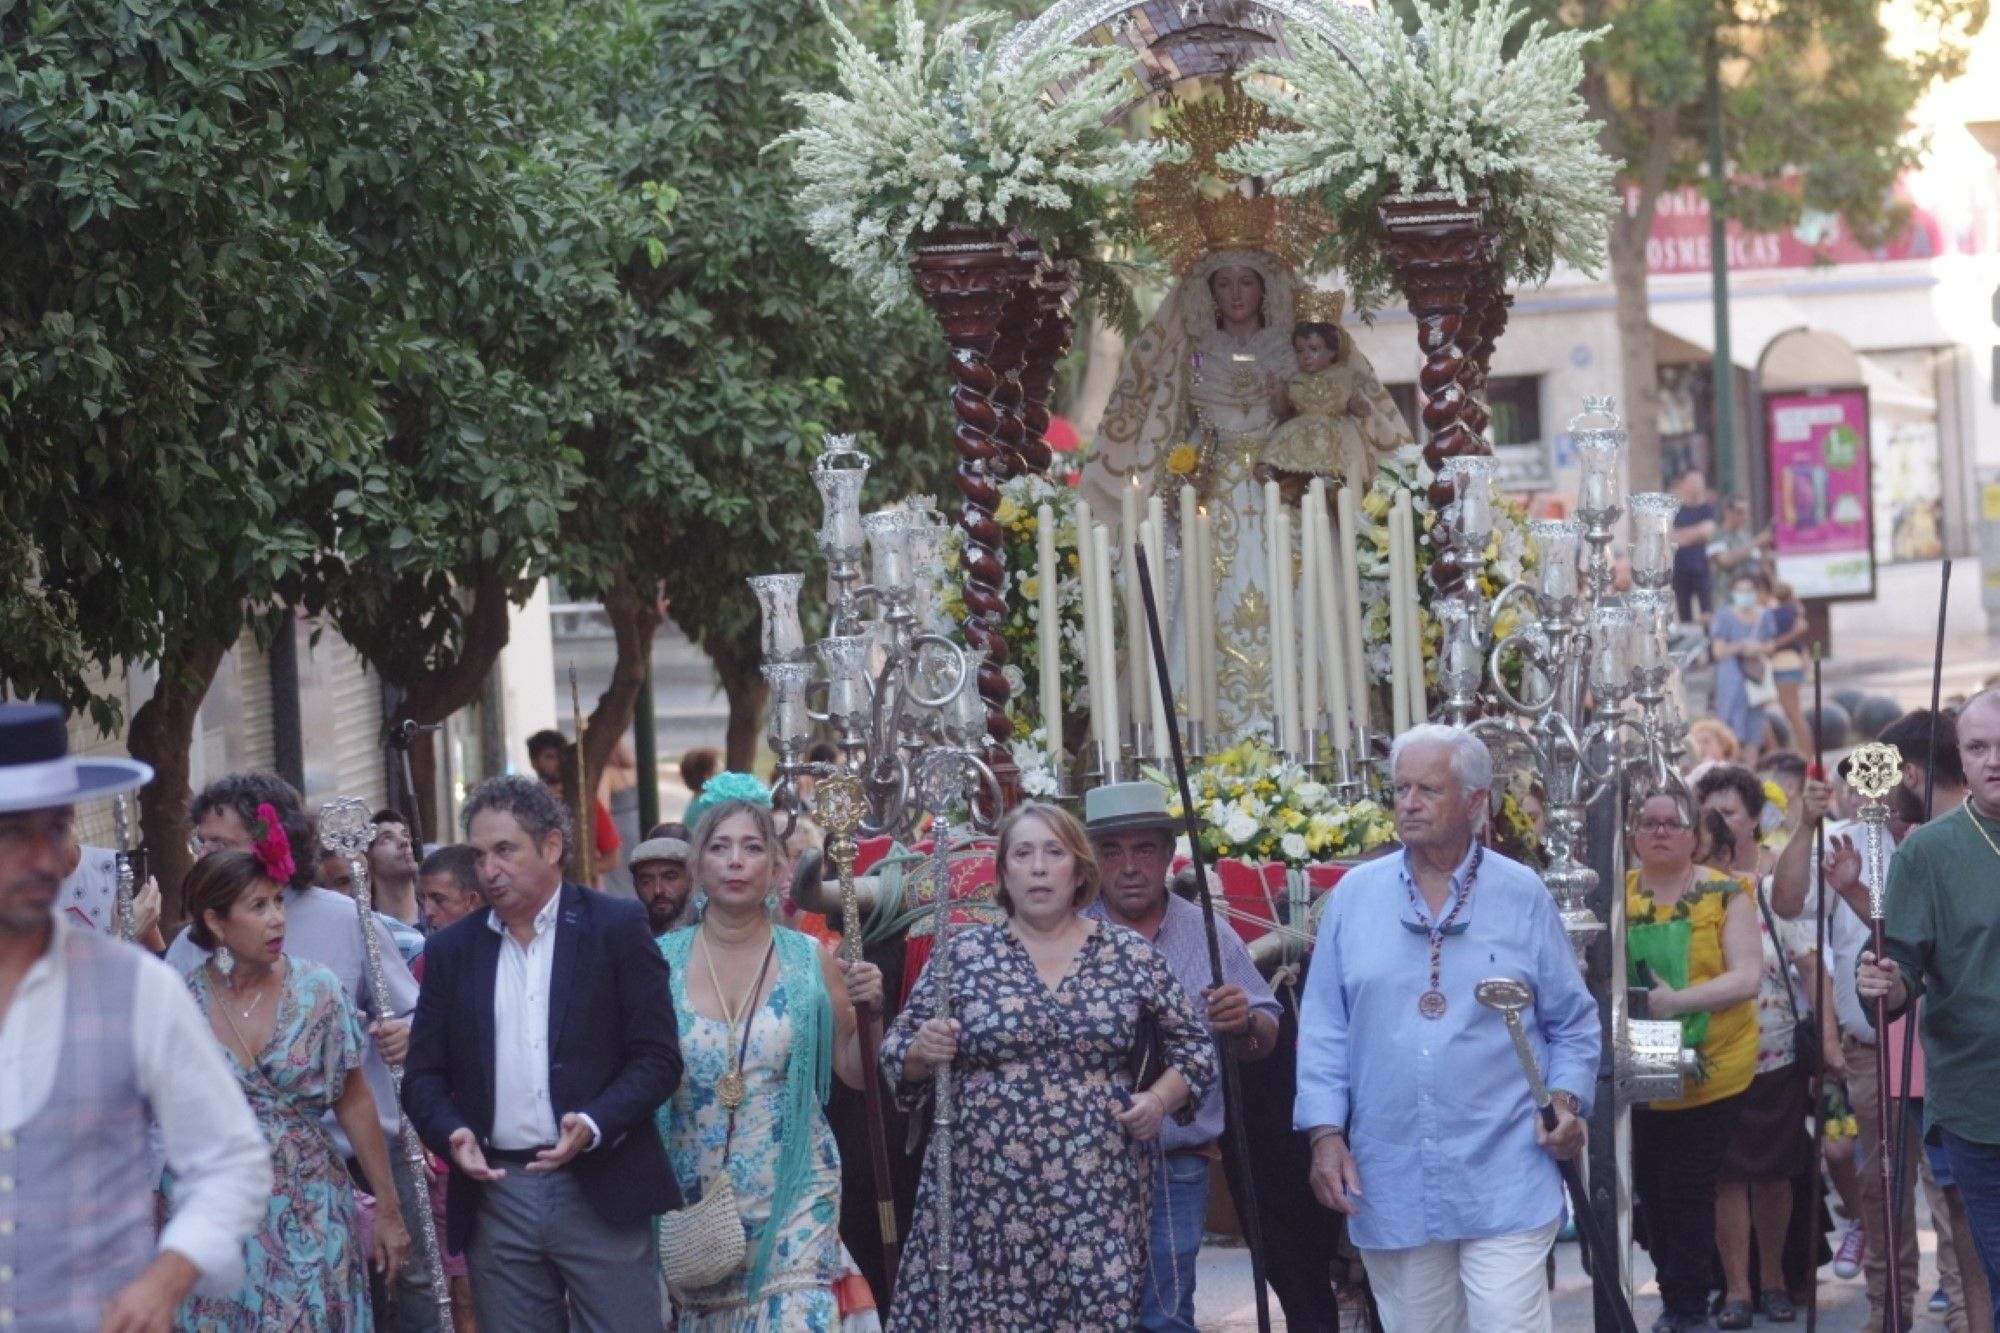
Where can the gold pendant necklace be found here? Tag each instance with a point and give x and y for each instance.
(730, 1089)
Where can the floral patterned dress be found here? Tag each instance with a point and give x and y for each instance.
(1051, 1199)
(810, 1270)
(307, 1270)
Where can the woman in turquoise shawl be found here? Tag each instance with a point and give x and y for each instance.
(766, 1019)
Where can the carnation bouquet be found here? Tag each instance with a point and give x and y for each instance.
(1509, 557)
(1445, 110)
(1255, 808)
(940, 134)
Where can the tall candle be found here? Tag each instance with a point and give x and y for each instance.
(1086, 573)
(1399, 627)
(1048, 579)
(1107, 650)
(1333, 636)
(1286, 608)
(1273, 574)
(1150, 542)
(1211, 689)
(1136, 660)
(1419, 703)
(1190, 621)
(1309, 577)
(1350, 610)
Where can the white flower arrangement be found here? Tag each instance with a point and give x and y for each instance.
(1038, 767)
(1447, 110)
(1257, 808)
(941, 134)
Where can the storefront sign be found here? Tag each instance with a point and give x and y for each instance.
(1820, 492)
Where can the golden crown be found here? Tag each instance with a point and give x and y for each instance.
(1316, 305)
(1194, 207)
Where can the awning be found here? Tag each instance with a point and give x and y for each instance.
(1753, 322)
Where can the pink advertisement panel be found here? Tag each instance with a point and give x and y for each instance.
(1818, 449)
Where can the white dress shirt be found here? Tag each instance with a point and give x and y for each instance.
(1847, 936)
(89, 897)
(221, 1164)
(523, 1115)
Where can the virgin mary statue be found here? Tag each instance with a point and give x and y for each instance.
(1204, 386)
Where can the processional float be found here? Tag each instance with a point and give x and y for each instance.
(1561, 673)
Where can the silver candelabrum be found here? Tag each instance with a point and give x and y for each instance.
(1554, 689)
(887, 681)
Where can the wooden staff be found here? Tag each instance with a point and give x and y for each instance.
(1232, 1077)
(346, 830)
(1930, 784)
(586, 842)
(841, 803)
(1819, 979)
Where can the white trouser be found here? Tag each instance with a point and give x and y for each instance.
(1498, 1285)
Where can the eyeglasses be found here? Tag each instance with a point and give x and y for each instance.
(1662, 826)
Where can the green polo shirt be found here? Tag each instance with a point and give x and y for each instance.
(1943, 925)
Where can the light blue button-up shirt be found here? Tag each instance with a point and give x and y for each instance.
(1437, 1111)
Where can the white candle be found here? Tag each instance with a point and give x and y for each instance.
(1416, 696)
(1350, 610)
(1107, 648)
(1086, 572)
(1150, 541)
(1309, 578)
(1136, 659)
(1048, 579)
(1190, 621)
(1333, 636)
(1273, 573)
(1211, 689)
(1286, 609)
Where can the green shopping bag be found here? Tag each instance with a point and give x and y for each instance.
(1662, 946)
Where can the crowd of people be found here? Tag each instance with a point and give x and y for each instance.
(629, 1114)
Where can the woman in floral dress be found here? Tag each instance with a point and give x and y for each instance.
(765, 1020)
(1050, 1194)
(295, 1044)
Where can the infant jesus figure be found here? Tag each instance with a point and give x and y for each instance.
(1336, 420)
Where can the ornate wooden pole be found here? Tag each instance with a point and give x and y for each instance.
(1443, 257)
(1055, 289)
(971, 278)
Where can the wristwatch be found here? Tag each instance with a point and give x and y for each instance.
(1567, 1100)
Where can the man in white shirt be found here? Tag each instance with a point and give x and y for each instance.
(96, 1038)
(544, 1047)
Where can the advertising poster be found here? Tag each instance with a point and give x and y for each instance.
(1820, 492)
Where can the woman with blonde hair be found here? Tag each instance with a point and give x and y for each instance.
(1052, 1210)
(766, 1019)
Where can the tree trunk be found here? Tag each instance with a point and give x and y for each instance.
(162, 734)
(739, 663)
(634, 615)
(433, 697)
(1639, 384)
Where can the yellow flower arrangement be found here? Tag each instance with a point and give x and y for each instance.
(1181, 462)
(1256, 809)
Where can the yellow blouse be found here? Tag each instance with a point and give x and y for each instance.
(1729, 1052)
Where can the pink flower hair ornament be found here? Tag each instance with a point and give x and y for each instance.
(273, 848)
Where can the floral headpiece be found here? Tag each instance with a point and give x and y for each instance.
(273, 848)
(727, 787)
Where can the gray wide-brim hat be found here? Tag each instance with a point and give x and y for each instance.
(37, 771)
(1127, 807)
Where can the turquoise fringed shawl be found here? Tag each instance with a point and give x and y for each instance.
(808, 1070)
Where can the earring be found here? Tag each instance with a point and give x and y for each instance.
(225, 961)
(700, 903)
(771, 902)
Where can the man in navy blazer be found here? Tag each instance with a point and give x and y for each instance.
(544, 1044)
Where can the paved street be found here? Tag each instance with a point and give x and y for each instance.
(1223, 1302)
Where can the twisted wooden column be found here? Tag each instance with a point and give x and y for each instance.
(1443, 259)
(1055, 291)
(971, 278)
(1008, 357)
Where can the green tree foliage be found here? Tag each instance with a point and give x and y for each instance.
(1816, 113)
(747, 348)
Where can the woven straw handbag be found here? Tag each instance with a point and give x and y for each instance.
(703, 1243)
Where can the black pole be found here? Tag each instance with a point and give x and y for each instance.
(1232, 1077)
(1930, 787)
(1603, 1263)
(1818, 1101)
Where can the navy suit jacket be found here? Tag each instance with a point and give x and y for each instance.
(614, 1052)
